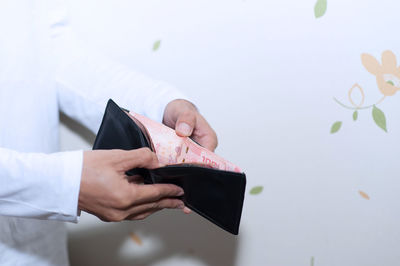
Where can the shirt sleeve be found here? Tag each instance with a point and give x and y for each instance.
(86, 80)
(41, 186)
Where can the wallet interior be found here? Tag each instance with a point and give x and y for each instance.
(216, 195)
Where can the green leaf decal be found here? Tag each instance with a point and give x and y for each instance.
(379, 118)
(256, 190)
(320, 8)
(336, 126)
(390, 82)
(355, 115)
(156, 45)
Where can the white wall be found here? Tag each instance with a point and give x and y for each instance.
(264, 74)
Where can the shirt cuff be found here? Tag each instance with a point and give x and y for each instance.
(70, 177)
(41, 186)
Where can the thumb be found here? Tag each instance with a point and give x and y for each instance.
(185, 124)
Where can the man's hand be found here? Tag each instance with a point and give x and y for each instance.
(184, 117)
(112, 196)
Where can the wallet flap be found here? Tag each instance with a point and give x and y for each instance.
(214, 194)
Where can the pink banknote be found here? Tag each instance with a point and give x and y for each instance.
(173, 149)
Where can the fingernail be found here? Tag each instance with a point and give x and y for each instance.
(181, 193)
(181, 206)
(187, 210)
(184, 129)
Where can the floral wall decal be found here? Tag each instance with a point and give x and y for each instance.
(388, 80)
(387, 74)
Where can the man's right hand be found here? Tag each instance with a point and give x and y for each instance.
(112, 196)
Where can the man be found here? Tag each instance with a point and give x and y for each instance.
(43, 69)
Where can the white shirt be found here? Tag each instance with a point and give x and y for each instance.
(43, 69)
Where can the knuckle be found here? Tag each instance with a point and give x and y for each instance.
(155, 205)
(171, 204)
(115, 216)
(174, 204)
(145, 150)
(104, 219)
(142, 216)
(177, 204)
(190, 115)
(118, 157)
(187, 113)
(146, 155)
(157, 194)
(121, 200)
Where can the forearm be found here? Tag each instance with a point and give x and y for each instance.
(86, 80)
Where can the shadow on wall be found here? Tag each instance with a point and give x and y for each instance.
(83, 133)
(164, 236)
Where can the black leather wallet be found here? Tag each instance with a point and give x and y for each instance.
(216, 195)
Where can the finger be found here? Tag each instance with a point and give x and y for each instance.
(209, 142)
(152, 207)
(185, 124)
(205, 135)
(166, 203)
(186, 210)
(139, 158)
(140, 216)
(154, 192)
